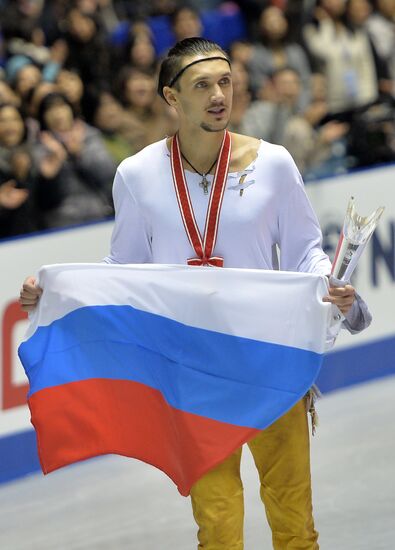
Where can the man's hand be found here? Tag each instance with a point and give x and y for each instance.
(30, 294)
(342, 296)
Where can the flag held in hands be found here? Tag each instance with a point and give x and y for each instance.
(173, 365)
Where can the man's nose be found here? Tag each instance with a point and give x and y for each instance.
(217, 94)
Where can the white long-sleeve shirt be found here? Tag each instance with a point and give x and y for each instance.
(269, 208)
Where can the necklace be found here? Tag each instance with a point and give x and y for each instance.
(204, 183)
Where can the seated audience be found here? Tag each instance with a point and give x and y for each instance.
(78, 92)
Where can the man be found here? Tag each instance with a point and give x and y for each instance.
(162, 196)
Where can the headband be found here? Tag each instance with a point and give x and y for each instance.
(180, 72)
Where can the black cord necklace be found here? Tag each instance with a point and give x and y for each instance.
(204, 183)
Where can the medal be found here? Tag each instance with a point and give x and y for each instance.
(203, 248)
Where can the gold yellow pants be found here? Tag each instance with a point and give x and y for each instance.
(282, 457)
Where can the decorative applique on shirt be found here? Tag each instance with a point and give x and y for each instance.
(241, 185)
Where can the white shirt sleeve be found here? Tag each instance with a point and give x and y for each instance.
(130, 241)
(301, 240)
(300, 237)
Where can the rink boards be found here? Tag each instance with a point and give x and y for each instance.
(355, 359)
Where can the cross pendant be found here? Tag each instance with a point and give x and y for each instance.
(204, 184)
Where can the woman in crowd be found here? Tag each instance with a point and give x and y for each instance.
(381, 28)
(242, 96)
(359, 14)
(88, 51)
(139, 52)
(70, 84)
(275, 52)
(7, 94)
(149, 116)
(186, 22)
(104, 111)
(75, 169)
(16, 174)
(23, 75)
(344, 55)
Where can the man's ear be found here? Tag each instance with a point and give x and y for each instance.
(170, 96)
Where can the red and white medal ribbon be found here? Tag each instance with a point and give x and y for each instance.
(203, 248)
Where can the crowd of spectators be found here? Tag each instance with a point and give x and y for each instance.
(78, 91)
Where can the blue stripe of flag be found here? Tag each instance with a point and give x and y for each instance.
(220, 376)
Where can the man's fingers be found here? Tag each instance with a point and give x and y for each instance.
(30, 287)
(28, 308)
(29, 294)
(31, 290)
(349, 298)
(347, 290)
(342, 297)
(28, 299)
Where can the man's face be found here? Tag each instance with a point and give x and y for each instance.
(204, 94)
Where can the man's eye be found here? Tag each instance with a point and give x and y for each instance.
(201, 85)
(225, 81)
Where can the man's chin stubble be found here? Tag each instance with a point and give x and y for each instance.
(208, 128)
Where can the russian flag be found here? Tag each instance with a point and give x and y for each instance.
(173, 365)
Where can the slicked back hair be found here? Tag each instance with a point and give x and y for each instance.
(188, 47)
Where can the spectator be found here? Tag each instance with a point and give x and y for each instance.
(381, 28)
(344, 56)
(107, 114)
(275, 52)
(268, 119)
(70, 84)
(52, 47)
(358, 13)
(241, 51)
(251, 10)
(241, 97)
(75, 169)
(7, 94)
(16, 174)
(21, 28)
(104, 10)
(88, 50)
(186, 23)
(139, 52)
(24, 76)
(148, 114)
(318, 145)
(35, 97)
